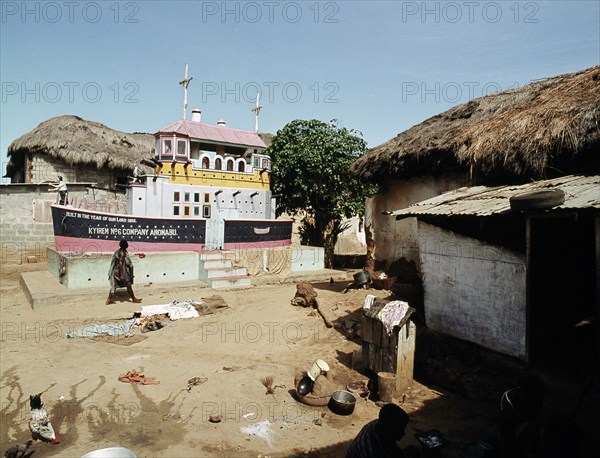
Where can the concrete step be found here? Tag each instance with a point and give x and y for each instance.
(215, 263)
(237, 281)
(225, 272)
(211, 255)
(217, 271)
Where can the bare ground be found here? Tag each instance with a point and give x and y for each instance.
(260, 334)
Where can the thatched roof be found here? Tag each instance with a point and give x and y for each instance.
(77, 141)
(543, 129)
(266, 137)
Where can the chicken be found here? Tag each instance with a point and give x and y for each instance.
(39, 424)
(18, 450)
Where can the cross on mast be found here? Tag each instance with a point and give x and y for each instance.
(256, 111)
(185, 83)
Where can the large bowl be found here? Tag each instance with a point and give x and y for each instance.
(361, 278)
(311, 400)
(111, 452)
(359, 387)
(342, 402)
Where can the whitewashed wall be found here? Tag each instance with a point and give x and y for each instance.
(352, 240)
(392, 239)
(473, 290)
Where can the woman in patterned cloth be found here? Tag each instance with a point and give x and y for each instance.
(120, 274)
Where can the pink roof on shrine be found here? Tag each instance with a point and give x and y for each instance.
(220, 134)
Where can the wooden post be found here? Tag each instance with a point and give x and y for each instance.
(528, 292)
(405, 357)
(597, 239)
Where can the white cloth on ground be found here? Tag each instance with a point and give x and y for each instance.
(175, 310)
(103, 329)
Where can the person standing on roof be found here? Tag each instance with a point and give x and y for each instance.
(61, 187)
(137, 174)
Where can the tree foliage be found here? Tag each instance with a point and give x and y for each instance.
(311, 162)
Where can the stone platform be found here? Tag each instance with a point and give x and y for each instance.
(43, 289)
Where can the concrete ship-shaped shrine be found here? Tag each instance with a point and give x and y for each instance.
(205, 207)
(209, 190)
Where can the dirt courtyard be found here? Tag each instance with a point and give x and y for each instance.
(259, 334)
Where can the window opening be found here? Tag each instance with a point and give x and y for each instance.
(167, 147)
(181, 147)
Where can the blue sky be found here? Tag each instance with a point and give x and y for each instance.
(379, 67)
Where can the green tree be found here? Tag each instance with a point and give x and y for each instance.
(311, 162)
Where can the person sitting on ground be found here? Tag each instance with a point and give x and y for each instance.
(377, 439)
(120, 274)
(520, 417)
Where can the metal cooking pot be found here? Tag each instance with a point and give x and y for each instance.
(361, 278)
(342, 402)
(305, 385)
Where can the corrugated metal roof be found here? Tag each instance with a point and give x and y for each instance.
(220, 134)
(580, 192)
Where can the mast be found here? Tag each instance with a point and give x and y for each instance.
(185, 83)
(256, 111)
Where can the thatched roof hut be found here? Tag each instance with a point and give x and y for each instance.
(80, 142)
(77, 141)
(544, 129)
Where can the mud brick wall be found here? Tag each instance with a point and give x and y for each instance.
(41, 168)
